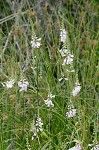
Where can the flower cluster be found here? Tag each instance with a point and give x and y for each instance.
(65, 52)
(68, 62)
(36, 42)
(37, 128)
(39, 125)
(49, 102)
(23, 84)
(9, 84)
(63, 35)
(71, 111)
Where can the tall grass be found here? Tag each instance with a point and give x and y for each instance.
(21, 111)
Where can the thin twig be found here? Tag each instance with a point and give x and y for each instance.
(10, 17)
(6, 44)
(7, 19)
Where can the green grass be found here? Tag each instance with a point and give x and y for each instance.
(20, 110)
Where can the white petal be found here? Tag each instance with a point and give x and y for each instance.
(71, 113)
(76, 90)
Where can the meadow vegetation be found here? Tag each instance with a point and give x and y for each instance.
(49, 76)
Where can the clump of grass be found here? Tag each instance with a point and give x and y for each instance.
(49, 90)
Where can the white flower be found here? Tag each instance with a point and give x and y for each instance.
(96, 147)
(76, 90)
(39, 122)
(49, 103)
(70, 70)
(41, 129)
(32, 138)
(77, 147)
(38, 127)
(64, 62)
(33, 129)
(23, 84)
(51, 96)
(36, 42)
(68, 60)
(66, 79)
(64, 52)
(60, 79)
(63, 35)
(71, 113)
(9, 84)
